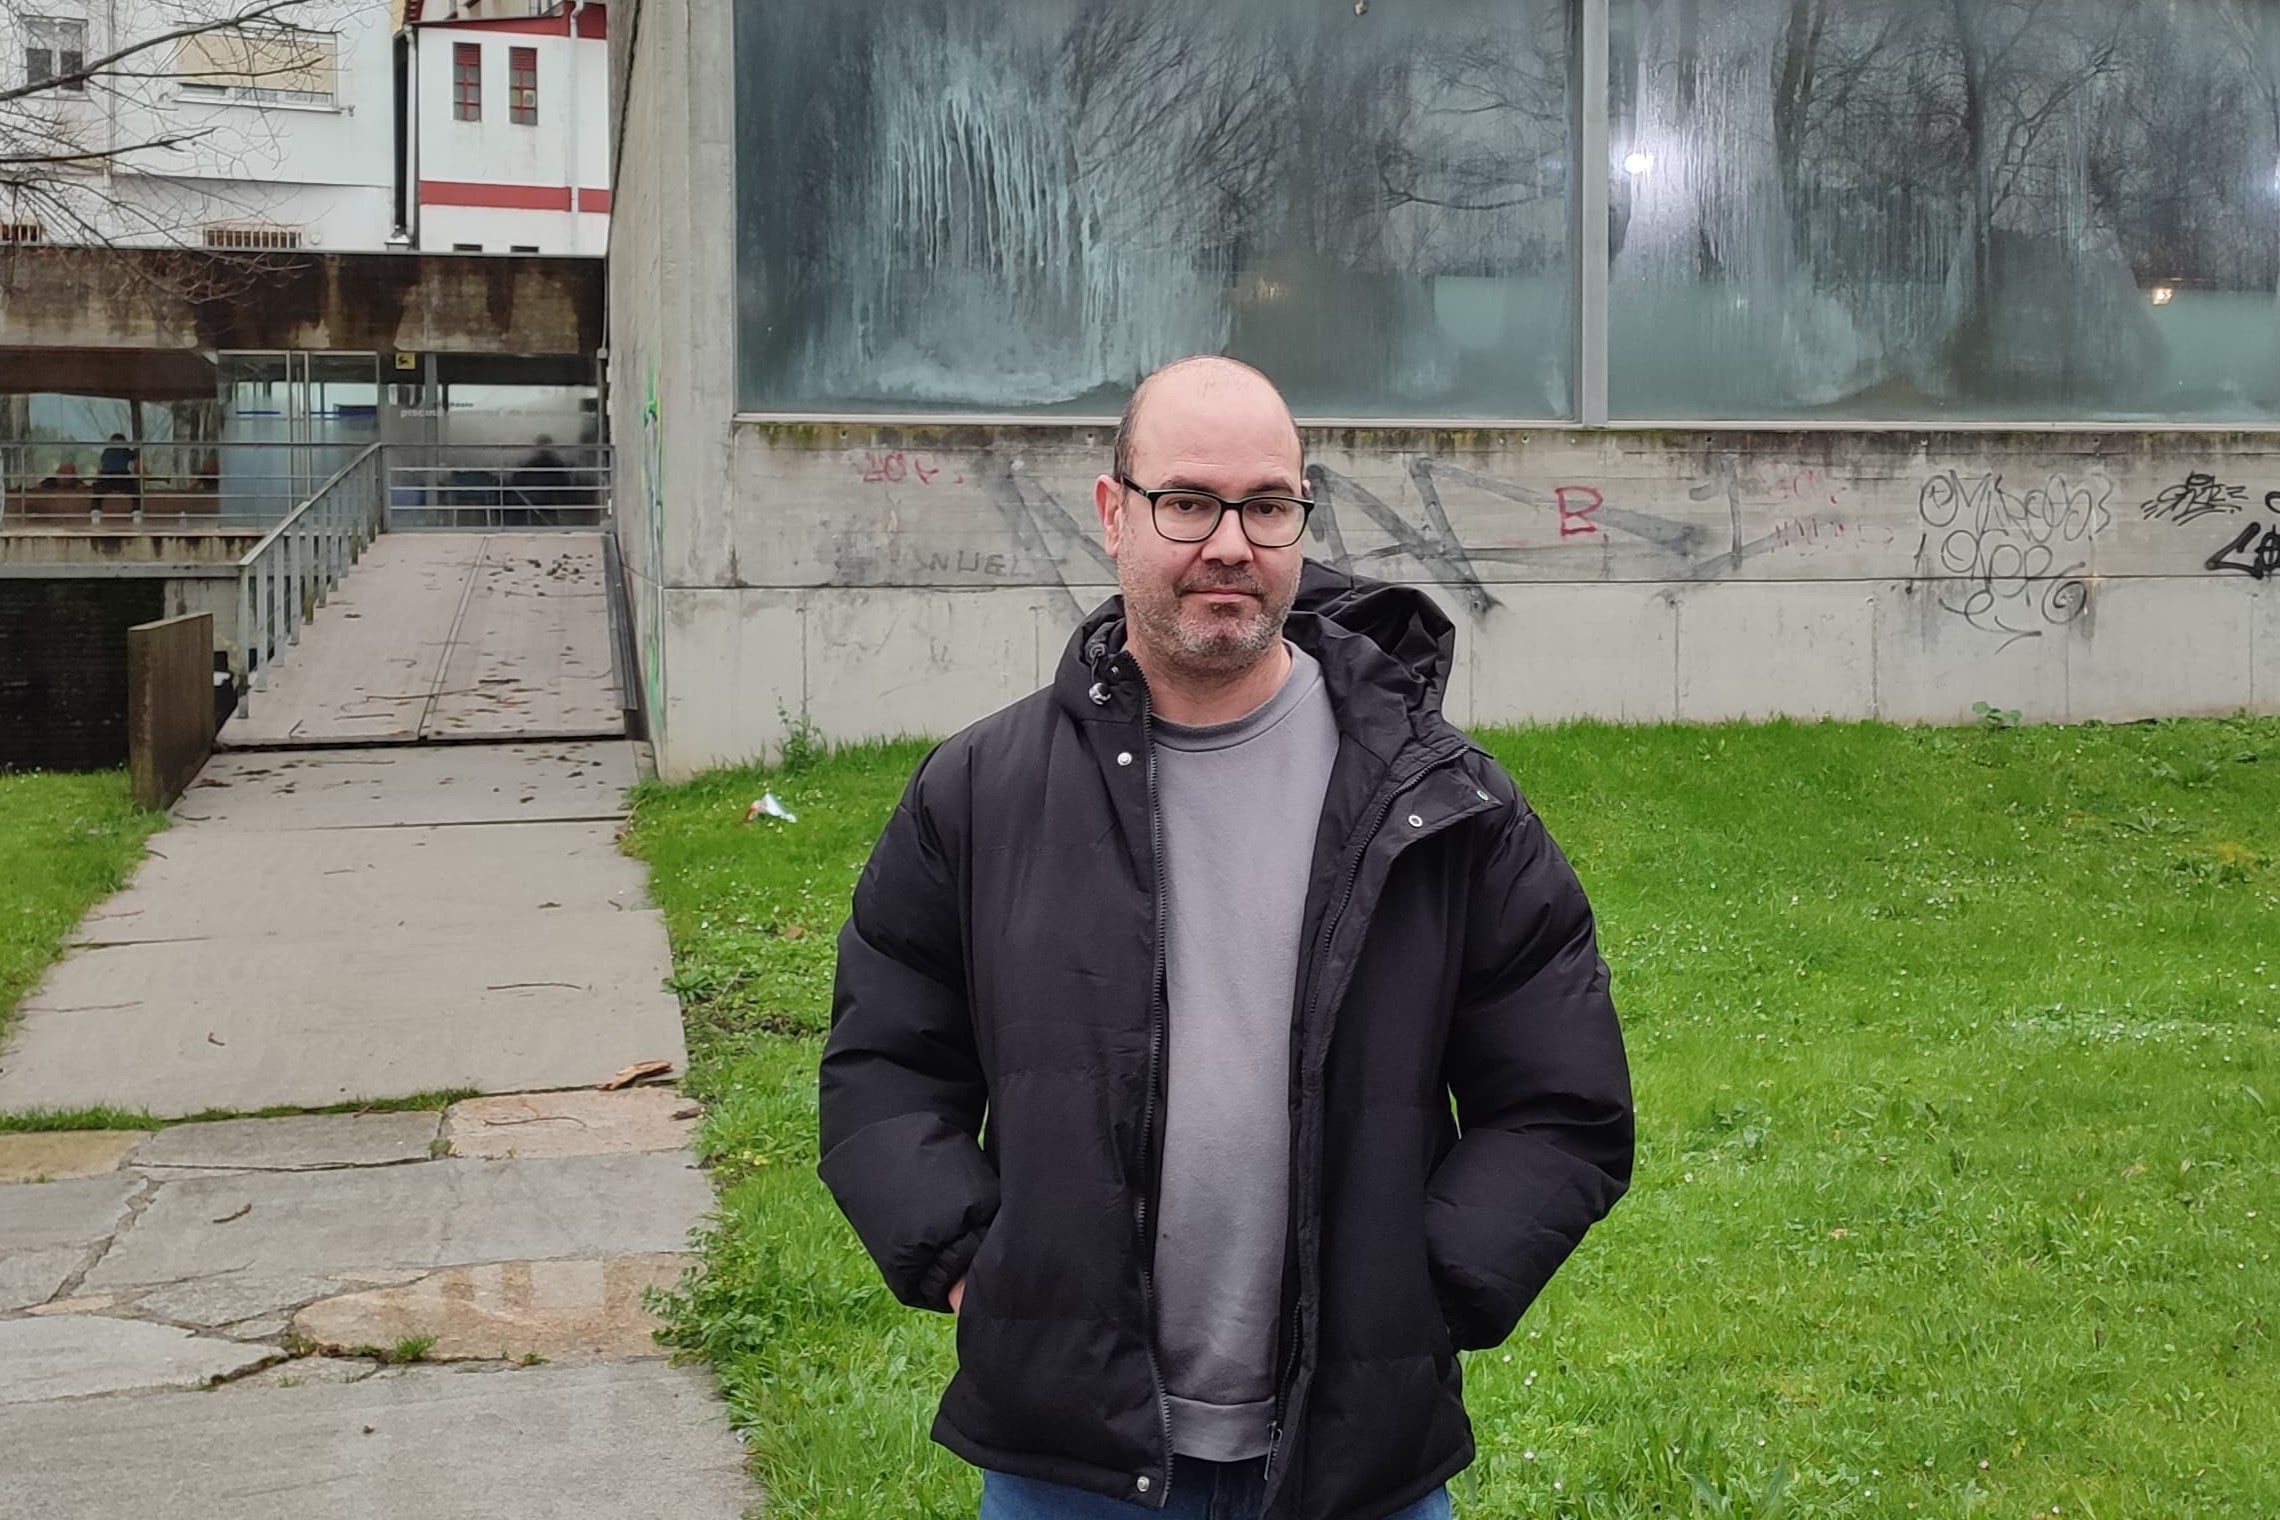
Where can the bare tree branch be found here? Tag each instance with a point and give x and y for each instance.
(108, 65)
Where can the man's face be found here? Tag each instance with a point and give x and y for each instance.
(1214, 608)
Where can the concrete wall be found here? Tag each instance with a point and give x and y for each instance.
(164, 299)
(884, 579)
(672, 278)
(170, 706)
(896, 579)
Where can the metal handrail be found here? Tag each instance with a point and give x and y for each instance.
(286, 577)
(207, 485)
(493, 486)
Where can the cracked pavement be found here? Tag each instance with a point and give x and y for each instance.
(439, 1312)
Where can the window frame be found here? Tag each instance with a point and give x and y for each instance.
(322, 63)
(522, 86)
(44, 39)
(467, 81)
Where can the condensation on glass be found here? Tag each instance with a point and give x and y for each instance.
(979, 206)
(1844, 210)
(2063, 210)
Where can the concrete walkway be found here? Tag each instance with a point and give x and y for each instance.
(331, 926)
(429, 1314)
(449, 636)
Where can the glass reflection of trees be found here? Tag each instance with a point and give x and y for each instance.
(973, 205)
(1852, 209)
(2010, 208)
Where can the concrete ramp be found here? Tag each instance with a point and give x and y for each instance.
(325, 927)
(443, 636)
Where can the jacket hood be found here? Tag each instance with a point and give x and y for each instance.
(1399, 638)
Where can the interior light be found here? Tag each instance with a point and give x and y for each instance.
(1636, 162)
(2164, 294)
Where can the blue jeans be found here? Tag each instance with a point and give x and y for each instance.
(1200, 1491)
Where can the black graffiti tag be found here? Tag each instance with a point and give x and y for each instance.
(1999, 550)
(2196, 496)
(2256, 558)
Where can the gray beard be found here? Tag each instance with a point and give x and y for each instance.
(1222, 650)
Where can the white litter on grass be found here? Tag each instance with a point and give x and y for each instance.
(769, 807)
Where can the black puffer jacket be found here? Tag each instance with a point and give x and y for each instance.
(991, 1088)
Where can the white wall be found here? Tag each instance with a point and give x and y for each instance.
(568, 148)
(494, 230)
(328, 168)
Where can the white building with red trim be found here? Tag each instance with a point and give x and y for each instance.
(505, 112)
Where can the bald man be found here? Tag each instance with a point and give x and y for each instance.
(1218, 1033)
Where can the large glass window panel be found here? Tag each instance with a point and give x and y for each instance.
(2060, 210)
(976, 205)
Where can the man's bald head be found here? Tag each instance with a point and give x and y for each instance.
(1201, 379)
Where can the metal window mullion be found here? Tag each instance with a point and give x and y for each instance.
(1593, 166)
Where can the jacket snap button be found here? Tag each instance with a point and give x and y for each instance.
(1125, 758)
(1483, 796)
(1143, 1483)
(1416, 822)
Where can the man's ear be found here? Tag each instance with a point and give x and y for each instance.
(1108, 501)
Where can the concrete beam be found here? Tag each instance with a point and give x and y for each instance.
(159, 298)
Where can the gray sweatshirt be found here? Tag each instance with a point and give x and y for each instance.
(1241, 804)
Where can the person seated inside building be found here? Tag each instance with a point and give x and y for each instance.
(115, 472)
(64, 477)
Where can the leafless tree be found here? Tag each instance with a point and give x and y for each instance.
(70, 124)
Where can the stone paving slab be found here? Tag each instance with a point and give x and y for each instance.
(533, 652)
(367, 664)
(383, 788)
(579, 1122)
(58, 1155)
(302, 1142)
(36, 1215)
(74, 1356)
(312, 882)
(440, 1213)
(31, 1278)
(640, 1441)
(446, 635)
(563, 1311)
(231, 1299)
(179, 1027)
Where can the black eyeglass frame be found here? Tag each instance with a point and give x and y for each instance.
(1155, 498)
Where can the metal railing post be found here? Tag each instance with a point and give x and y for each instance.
(242, 658)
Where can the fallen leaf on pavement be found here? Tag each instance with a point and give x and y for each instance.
(639, 1071)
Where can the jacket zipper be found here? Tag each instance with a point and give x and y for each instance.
(1375, 822)
(1158, 1018)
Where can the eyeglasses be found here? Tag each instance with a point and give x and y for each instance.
(1187, 515)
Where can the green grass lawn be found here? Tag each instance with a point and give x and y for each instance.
(66, 843)
(1958, 1067)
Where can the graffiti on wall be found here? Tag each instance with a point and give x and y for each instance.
(2197, 496)
(2012, 561)
(2248, 554)
(2011, 557)
(2252, 550)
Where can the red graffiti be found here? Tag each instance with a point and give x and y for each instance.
(897, 466)
(1810, 484)
(1577, 504)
